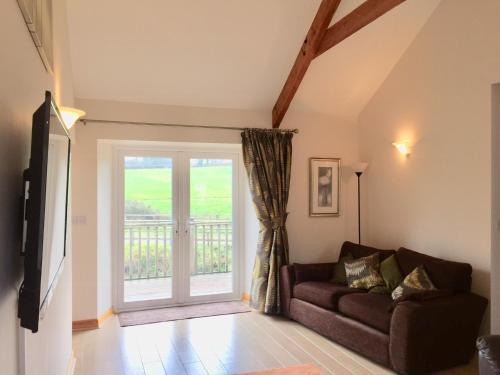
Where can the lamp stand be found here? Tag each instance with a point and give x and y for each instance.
(359, 207)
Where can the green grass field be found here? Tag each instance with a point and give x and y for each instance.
(151, 190)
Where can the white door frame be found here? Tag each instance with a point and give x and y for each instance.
(179, 152)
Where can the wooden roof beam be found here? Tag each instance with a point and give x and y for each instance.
(320, 39)
(363, 15)
(306, 54)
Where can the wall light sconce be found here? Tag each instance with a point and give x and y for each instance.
(70, 115)
(403, 148)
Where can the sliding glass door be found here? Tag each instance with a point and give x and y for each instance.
(177, 242)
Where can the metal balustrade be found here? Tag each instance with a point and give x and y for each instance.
(148, 241)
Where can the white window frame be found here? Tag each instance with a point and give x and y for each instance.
(180, 152)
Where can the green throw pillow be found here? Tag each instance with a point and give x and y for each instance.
(391, 273)
(418, 281)
(339, 270)
(363, 273)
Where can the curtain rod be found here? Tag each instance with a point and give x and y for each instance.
(296, 131)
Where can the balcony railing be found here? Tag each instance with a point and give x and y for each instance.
(148, 246)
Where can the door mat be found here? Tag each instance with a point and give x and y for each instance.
(181, 312)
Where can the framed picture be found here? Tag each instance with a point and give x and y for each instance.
(324, 186)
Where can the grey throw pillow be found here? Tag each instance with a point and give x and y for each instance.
(363, 273)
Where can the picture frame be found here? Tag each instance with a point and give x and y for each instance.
(324, 187)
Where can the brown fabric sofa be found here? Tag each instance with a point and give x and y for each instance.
(411, 337)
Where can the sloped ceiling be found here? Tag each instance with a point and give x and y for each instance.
(341, 81)
(230, 54)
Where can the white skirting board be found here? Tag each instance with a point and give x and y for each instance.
(22, 350)
(71, 364)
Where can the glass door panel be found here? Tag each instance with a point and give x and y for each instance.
(159, 192)
(210, 226)
(149, 228)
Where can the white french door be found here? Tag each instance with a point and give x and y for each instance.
(177, 226)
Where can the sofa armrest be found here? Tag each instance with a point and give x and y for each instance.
(287, 282)
(430, 335)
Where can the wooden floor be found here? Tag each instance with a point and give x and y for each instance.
(219, 345)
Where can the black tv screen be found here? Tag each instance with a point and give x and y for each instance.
(44, 211)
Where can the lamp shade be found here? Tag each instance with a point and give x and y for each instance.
(70, 115)
(359, 167)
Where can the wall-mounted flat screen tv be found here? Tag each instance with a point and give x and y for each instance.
(45, 205)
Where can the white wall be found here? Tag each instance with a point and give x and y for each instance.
(23, 82)
(438, 97)
(318, 239)
(104, 228)
(311, 239)
(90, 248)
(315, 239)
(495, 209)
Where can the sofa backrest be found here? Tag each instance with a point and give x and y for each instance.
(313, 272)
(360, 251)
(445, 274)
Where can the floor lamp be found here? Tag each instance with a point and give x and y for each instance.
(359, 168)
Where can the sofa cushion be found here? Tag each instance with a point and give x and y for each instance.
(313, 272)
(379, 289)
(418, 281)
(371, 309)
(360, 251)
(391, 273)
(363, 272)
(357, 336)
(452, 276)
(323, 294)
(339, 276)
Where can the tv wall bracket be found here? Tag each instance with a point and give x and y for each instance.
(25, 206)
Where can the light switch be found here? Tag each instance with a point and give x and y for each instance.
(79, 220)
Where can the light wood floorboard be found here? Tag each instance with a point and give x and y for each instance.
(219, 345)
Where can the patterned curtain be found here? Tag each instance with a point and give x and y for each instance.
(268, 157)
